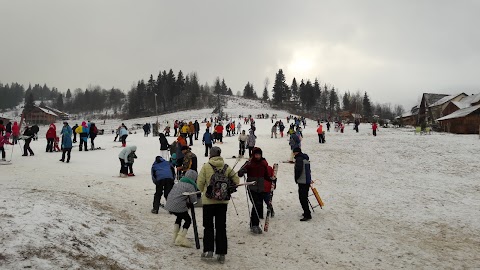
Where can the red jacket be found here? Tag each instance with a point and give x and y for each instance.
(15, 129)
(374, 126)
(51, 134)
(219, 129)
(320, 129)
(259, 169)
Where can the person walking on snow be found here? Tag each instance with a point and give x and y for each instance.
(15, 132)
(4, 140)
(75, 133)
(191, 131)
(123, 157)
(123, 133)
(83, 132)
(28, 136)
(374, 128)
(294, 142)
(66, 134)
(51, 134)
(196, 125)
(164, 146)
(303, 178)
(239, 127)
(93, 134)
(214, 211)
(178, 205)
(207, 141)
(242, 141)
(321, 138)
(251, 140)
(256, 170)
(163, 175)
(274, 131)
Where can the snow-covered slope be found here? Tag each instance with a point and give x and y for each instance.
(392, 201)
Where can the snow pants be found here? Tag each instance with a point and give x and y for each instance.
(207, 147)
(163, 187)
(26, 147)
(241, 151)
(123, 166)
(66, 151)
(49, 145)
(257, 209)
(303, 197)
(183, 216)
(374, 132)
(215, 228)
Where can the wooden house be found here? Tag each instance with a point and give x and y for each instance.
(463, 121)
(436, 109)
(424, 112)
(349, 117)
(41, 116)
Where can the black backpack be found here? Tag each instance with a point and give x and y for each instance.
(220, 185)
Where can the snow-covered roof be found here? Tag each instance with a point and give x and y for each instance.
(356, 115)
(47, 111)
(445, 100)
(461, 105)
(471, 99)
(460, 113)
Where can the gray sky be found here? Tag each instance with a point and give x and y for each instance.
(394, 50)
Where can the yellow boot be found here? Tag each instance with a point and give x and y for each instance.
(176, 229)
(182, 240)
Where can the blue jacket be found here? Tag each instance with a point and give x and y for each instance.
(162, 170)
(66, 137)
(207, 138)
(303, 174)
(123, 131)
(294, 141)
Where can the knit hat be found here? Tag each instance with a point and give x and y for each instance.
(215, 151)
(297, 150)
(191, 174)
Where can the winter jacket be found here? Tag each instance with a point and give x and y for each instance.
(164, 145)
(207, 138)
(256, 170)
(28, 134)
(177, 202)
(191, 128)
(123, 131)
(162, 170)
(51, 134)
(131, 158)
(15, 129)
(320, 129)
(205, 175)
(180, 142)
(185, 129)
(242, 137)
(74, 128)
(374, 126)
(126, 151)
(189, 161)
(251, 139)
(66, 137)
(302, 169)
(93, 131)
(282, 127)
(294, 141)
(196, 125)
(274, 129)
(4, 139)
(209, 124)
(219, 129)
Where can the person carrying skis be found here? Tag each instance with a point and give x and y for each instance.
(207, 141)
(66, 134)
(28, 136)
(256, 170)
(242, 141)
(4, 139)
(215, 233)
(164, 146)
(50, 136)
(251, 140)
(178, 204)
(303, 178)
(123, 157)
(163, 175)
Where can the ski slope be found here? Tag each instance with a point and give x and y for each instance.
(397, 200)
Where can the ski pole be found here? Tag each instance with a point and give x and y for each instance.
(234, 206)
(255, 208)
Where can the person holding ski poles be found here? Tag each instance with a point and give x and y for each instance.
(256, 170)
(215, 234)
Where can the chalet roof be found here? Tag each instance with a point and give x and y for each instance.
(47, 111)
(460, 113)
(471, 99)
(56, 111)
(432, 98)
(445, 100)
(461, 105)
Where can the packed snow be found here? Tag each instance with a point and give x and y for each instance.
(397, 200)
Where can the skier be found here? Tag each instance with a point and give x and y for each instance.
(66, 134)
(93, 134)
(15, 132)
(123, 133)
(374, 128)
(50, 135)
(163, 178)
(207, 141)
(123, 157)
(303, 178)
(4, 140)
(242, 141)
(196, 126)
(178, 205)
(28, 135)
(75, 133)
(164, 146)
(256, 170)
(215, 234)
(251, 139)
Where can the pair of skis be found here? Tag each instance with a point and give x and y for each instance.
(192, 210)
(269, 206)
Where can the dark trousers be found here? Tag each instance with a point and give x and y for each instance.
(26, 147)
(130, 167)
(220, 137)
(250, 149)
(67, 151)
(257, 201)
(3, 152)
(303, 197)
(49, 145)
(321, 139)
(183, 216)
(123, 166)
(164, 186)
(215, 235)
(207, 147)
(175, 129)
(74, 137)
(241, 151)
(374, 132)
(116, 136)
(190, 136)
(124, 139)
(196, 135)
(92, 144)
(83, 143)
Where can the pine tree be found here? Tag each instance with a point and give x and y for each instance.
(279, 88)
(346, 101)
(230, 92)
(29, 102)
(333, 102)
(217, 88)
(367, 107)
(224, 88)
(265, 96)
(68, 96)
(59, 102)
(294, 89)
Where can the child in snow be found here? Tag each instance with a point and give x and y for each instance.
(131, 160)
(55, 144)
(178, 205)
(374, 128)
(4, 140)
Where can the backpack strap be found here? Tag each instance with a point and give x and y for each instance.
(224, 170)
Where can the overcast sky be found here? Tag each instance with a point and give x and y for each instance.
(394, 50)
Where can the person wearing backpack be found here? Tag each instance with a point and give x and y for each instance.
(256, 170)
(163, 177)
(215, 211)
(303, 178)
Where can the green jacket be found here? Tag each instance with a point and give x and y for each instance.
(206, 173)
